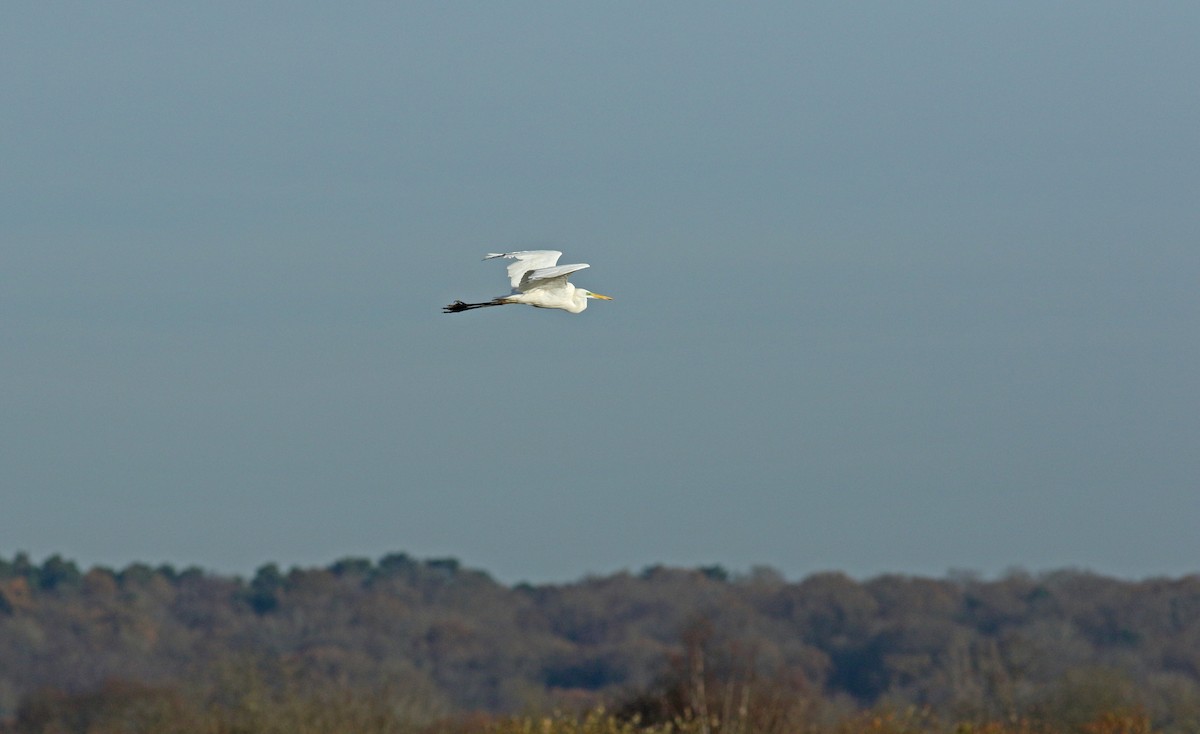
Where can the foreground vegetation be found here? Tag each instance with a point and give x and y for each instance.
(401, 645)
(125, 709)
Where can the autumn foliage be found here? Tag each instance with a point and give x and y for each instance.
(427, 646)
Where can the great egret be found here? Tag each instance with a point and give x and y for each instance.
(536, 281)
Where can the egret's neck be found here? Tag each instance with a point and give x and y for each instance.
(578, 299)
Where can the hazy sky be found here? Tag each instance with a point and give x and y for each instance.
(899, 287)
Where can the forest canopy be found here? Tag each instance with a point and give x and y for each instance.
(1063, 645)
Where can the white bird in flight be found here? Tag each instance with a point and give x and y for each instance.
(537, 281)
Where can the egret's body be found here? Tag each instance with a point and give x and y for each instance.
(537, 280)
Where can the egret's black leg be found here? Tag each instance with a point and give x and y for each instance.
(460, 306)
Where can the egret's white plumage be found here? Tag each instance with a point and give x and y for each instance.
(537, 280)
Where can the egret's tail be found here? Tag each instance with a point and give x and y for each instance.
(458, 306)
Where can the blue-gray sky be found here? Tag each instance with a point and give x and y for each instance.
(900, 287)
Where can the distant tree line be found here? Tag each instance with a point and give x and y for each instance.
(436, 639)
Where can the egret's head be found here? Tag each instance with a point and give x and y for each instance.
(589, 294)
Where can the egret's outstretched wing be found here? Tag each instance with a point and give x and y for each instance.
(548, 277)
(526, 260)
